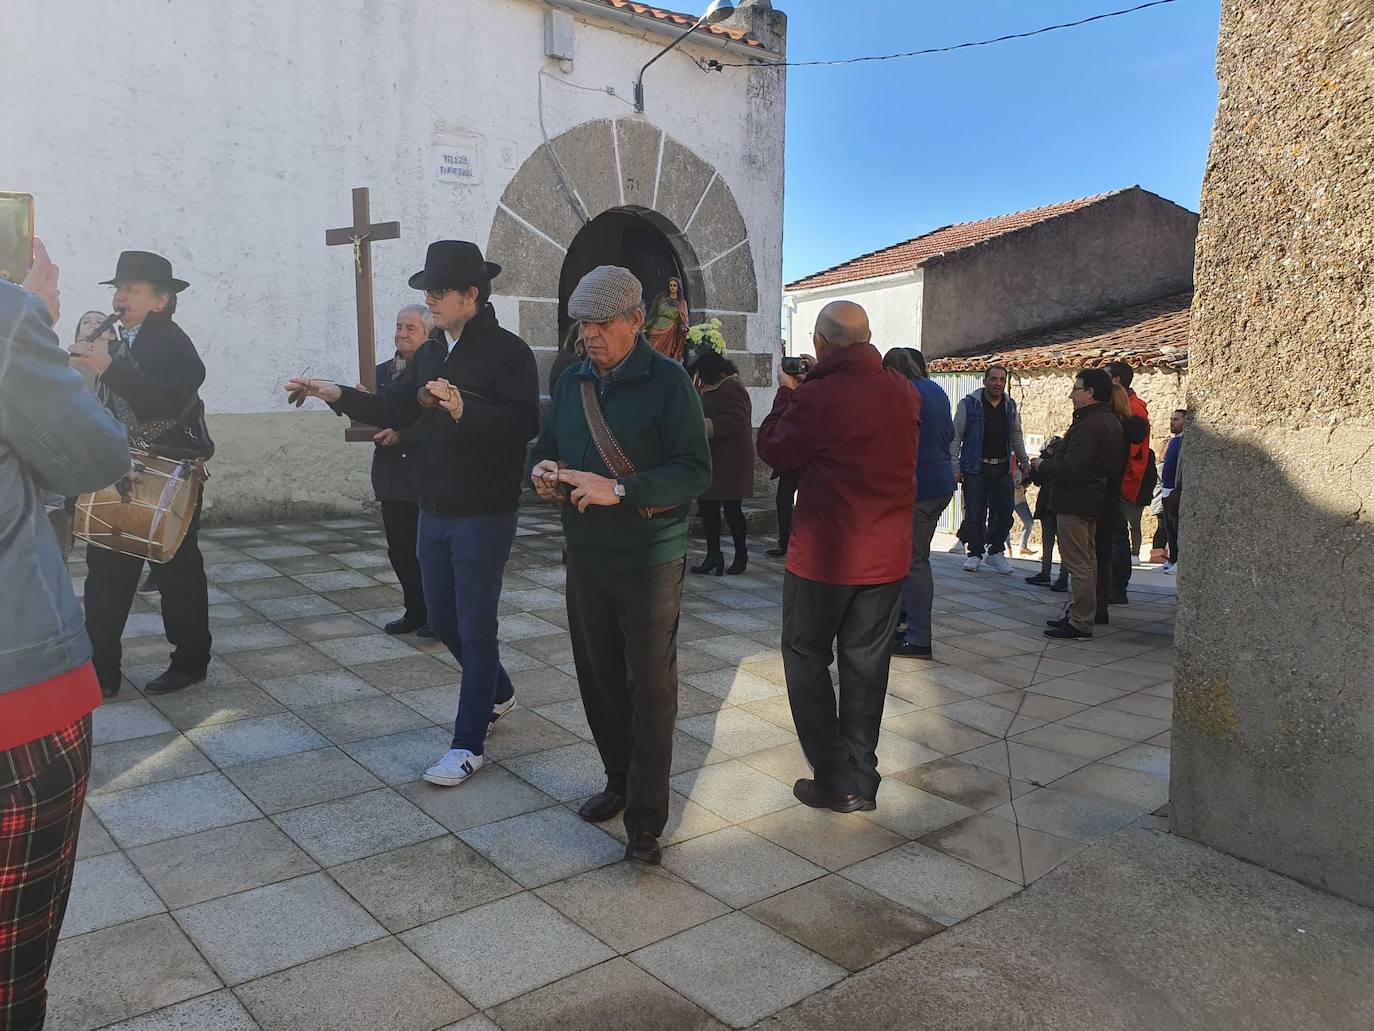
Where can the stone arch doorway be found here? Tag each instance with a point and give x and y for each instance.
(628, 237)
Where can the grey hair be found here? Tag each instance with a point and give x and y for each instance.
(426, 316)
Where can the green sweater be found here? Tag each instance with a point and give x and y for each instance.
(654, 412)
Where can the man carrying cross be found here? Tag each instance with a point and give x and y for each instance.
(478, 410)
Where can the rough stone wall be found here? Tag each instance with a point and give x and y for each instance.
(1273, 746)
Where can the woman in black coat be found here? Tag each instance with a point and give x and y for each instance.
(1044, 514)
(729, 426)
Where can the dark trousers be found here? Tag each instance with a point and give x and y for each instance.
(1121, 548)
(112, 579)
(918, 590)
(785, 501)
(819, 622)
(1170, 521)
(463, 560)
(40, 816)
(988, 499)
(624, 639)
(710, 524)
(1048, 526)
(401, 520)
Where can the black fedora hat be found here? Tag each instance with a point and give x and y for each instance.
(147, 266)
(454, 265)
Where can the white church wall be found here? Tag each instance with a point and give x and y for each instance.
(228, 137)
(893, 304)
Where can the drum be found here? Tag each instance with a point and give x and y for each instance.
(147, 513)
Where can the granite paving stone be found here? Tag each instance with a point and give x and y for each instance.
(353, 651)
(344, 722)
(1067, 814)
(961, 781)
(737, 969)
(277, 926)
(295, 606)
(103, 977)
(936, 732)
(334, 580)
(1085, 744)
(1146, 758)
(544, 846)
(301, 779)
(94, 839)
(286, 661)
(403, 757)
(848, 925)
(573, 771)
(1017, 854)
(1128, 725)
(735, 731)
(199, 867)
(153, 812)
(107, 890)
(544, 686)
(321, 628)
(736, 686)
(218, 1011)
(786, 764)
(629, 906)
(351, 828)
(123, 721)
(144, 760)
(411, 673)
(254, 637)
(321, 688)
(686, 820)
(614, 996)
(205, 705)
(259, 737)
(1125, 787)
(418, 884)
(494, 794)
(1023, 762)
(1144, 704)
(930, 882)
(526, 945)
(911, 812)
(435, 704)
(831, 840)
(386, 988)
(738, 867)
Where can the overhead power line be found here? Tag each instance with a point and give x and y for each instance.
(934, 50)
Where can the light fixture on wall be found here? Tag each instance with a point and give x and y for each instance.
(716, 13)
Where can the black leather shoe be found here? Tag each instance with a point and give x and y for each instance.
(109, 692)
(776, 552)
(1039, 579)
(427, 631)
(601, 807)
(1052, 623)
(1059, 586)
(644, 848)
(404, 625)
(740, 564)
(912, 651)
(714, 562)
(810, 794)
(171, 681)
(1068, 632)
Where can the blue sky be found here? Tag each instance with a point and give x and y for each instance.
(879, 153)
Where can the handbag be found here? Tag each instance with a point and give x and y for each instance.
(612, 454)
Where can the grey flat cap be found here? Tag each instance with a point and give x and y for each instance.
(605, 292)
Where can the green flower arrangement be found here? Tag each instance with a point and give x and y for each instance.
(704, 337)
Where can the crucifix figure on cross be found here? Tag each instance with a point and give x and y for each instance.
(361, 235)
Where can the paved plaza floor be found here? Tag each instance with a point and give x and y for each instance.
(259, 852)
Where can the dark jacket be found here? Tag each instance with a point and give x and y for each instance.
(653, 411)
(934, 465)
(853, 430)
(1087, 463)
(393, 468)
(562, 362)
(55, 439)
(967, 447)
(473, 466)
(732, 441)
(160, 377)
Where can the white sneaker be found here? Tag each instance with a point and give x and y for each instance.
(958, 548)
(972, 563)
(457, 765)
(500, 709)
(1135, 560)
(1169, 567)
(998, 563)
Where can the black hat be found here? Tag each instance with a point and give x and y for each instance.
(147, 266)
(454, 265)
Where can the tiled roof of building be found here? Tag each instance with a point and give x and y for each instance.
(1149, 335)
(911, 254)
(684, 20)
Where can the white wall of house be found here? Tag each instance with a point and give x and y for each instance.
(228, 137)
(893, 304)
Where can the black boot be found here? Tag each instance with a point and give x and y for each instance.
(741, 562)
(713, 563)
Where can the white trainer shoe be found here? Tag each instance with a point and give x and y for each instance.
(1169, 567)
(998, 563)
(500, 709)
(972, 563)
(457, 765)
(958, 548)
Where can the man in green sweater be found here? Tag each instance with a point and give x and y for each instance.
(624, 450)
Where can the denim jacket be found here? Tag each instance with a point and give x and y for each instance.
(55, 438)
(967, 447)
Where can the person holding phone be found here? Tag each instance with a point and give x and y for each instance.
(55, 438)
(152, 385)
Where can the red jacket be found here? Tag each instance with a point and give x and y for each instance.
(1138, 455)
(852, 429)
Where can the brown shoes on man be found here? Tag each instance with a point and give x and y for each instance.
(808, 792)
(644, 849)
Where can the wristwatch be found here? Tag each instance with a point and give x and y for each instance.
(619, 489)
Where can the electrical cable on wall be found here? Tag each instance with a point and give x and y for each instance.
(713, 65)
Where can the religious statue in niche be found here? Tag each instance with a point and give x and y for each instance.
(667, 330)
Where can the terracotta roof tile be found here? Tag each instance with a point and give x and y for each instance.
(911, 254)
(739, 35)
(1153, 334)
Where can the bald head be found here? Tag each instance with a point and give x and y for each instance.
(842, 324)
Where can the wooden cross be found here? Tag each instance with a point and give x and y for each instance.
(361, 235)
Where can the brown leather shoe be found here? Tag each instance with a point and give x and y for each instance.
(644, 848)
(809, 793)
(602, 806)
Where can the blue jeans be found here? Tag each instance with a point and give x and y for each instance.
(918, 593)
(988, 499)
(462, 561)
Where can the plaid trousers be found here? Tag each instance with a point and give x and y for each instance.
(42, 787)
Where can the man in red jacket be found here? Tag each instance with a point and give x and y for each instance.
(1137, 458)
(851, 430)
